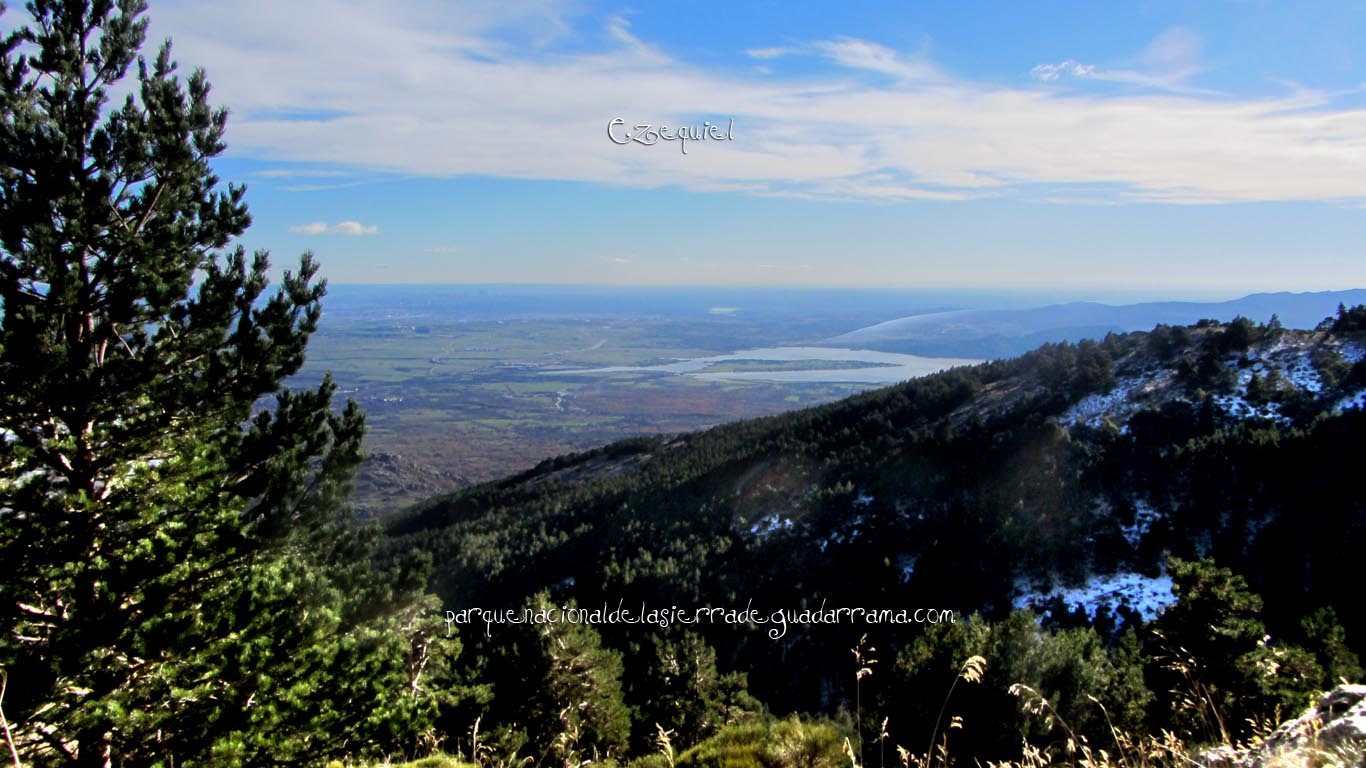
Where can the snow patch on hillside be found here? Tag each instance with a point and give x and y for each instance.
(852, 529)
(907, 565)
(1092, 409)
(1357, 401)
(1278, 366)
(770, 523)
(1292, 364)
(1238, 407)
(1301, 372)
(1148, 595)
(1144, 518)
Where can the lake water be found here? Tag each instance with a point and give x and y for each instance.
(885, 367)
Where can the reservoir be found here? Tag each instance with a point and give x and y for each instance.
(877, 368)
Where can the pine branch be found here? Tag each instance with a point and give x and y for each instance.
(4, 723)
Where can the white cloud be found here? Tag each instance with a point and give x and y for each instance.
(452, 96)
(768, 53)
(856, 54)
(354, 228)
(1168, 63)
(1051, 72)
(861, 54)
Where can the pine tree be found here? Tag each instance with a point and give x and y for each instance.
(1215, 654)
(179, 577)
(557, 681)
(687, 696)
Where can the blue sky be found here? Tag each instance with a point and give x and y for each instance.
(1162, 148)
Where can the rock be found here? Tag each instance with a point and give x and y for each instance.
(1218, 757)
(1341, 699)
(1331, 733)
(1347, 729)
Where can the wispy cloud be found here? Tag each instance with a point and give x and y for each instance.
(862, 54)
(1050, 72)
(853, 53)
(768, 53)
(451, 97)
(354, 228)
(1175, 50)
(1167, 64)
(293, 173)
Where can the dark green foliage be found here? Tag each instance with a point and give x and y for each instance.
(560, 685)
(683, 692)
(1211, 651)
(1237, 335)
(1164, 342)
(1332, 369)
(181, 580)
(1207, 370)
(1348, 320)
(1326, 638)
(1066, 667)
(1204, 644)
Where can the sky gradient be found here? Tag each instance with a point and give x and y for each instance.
(1165, 148)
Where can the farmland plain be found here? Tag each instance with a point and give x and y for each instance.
(462, 386)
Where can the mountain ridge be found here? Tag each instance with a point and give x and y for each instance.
(1005, 332)
(960, 489)
(1057, 482)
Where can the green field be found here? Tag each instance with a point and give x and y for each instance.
(453, 402)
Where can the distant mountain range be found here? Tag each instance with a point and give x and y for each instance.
(1008, 332)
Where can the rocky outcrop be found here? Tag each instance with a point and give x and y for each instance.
(390, 481)
(1331, 733)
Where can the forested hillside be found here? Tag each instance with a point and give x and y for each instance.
(977, 490)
